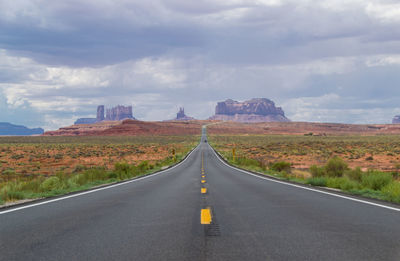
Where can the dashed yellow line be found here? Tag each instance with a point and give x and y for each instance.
(205, 216)
(203, 181)
(203, 190)
(203, 176)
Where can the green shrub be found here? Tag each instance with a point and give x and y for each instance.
(50, 184)
(248, 162)
(317, 181)
(281, 166)
(317, 172)
(15, 195)
(32, 185)
(336, 167)
(348, 185)
(94, 174)
(112, 175)
(376, 180)
(143, 166)
(354, 174)
(78, 179)
(72, 182)
(335, 182)
(122, 169)
(9, 172)
(11, 192)
(342, 183)
(392, 191)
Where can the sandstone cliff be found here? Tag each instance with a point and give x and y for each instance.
(129, 128)
(117, 113)
(254, 110)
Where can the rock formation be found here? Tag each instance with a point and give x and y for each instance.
(100, 113)
(119, 113)
(114, 114)
(396, 119)
(85, 121)
(254, 110)
(181, 116)
(129, 128)
(13, 130)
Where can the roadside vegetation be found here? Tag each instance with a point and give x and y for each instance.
(368, 152)
(38, 167)
(334, 173)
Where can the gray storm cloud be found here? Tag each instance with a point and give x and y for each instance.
(59, 59)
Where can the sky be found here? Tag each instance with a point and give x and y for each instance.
(322, 61)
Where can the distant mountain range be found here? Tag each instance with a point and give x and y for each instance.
(14, 130)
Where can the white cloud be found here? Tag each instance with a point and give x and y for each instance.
(384, 12)
(383, 60)
(52, 90)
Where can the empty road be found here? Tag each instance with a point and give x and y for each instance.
(159, 218)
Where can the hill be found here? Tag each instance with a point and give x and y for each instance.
(129, 127)
(13, 130)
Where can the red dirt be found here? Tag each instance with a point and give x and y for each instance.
(301, 128)
(134, 127)
(129, 128)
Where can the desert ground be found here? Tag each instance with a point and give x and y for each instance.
(306, 144)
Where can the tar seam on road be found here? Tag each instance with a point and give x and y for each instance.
(98, 189)
(305, 188)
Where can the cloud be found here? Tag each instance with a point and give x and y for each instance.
(331, 60)
(384, 12)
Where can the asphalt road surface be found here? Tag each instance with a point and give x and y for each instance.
(159, 218)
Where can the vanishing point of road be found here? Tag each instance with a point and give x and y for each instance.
(202, 209)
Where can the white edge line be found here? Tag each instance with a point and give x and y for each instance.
(305, 188)
(98, 189)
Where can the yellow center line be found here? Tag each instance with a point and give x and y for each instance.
(203, 176)
(205, 216)
(203, 190)
(203, 181)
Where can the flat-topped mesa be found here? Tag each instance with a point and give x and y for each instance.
(396, 119)
(85, 121)
(254, 110)
(118, 113)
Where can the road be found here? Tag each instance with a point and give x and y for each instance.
(159, 218)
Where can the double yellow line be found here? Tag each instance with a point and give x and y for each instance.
(205, 214)
(203, 175)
